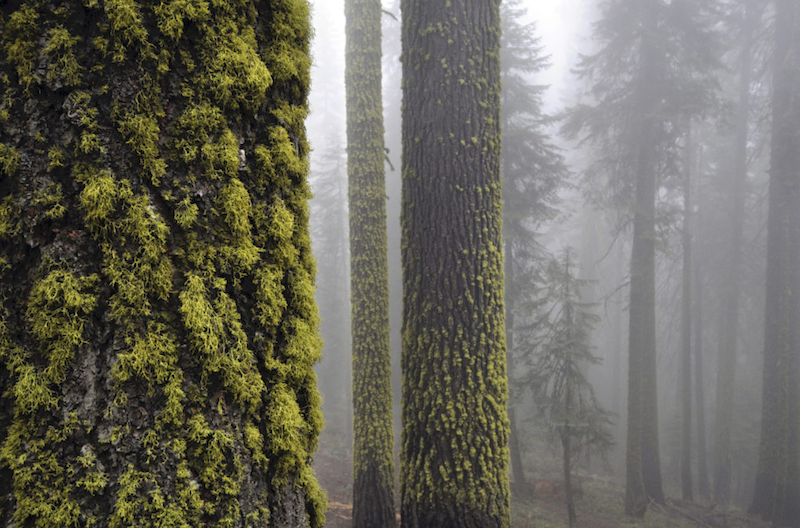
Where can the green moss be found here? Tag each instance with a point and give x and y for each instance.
(43, 487)
(127, 30)
(9, 160)
(220, 157)
(51, 199)
(19, 41)
(186, 213)
(215, 333)
(173, 16)
(63, 66)
(58, 307)
(235, 74)
(289, 31)
(254, 441)
(270, 302)
(57, 157)
(218, 239)
(9, 218)
(141, 132)
(285, 432)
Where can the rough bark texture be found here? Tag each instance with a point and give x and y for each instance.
(455, 427)
(777, 488)
(729, 309)
(642, 457)
(158, 325)
(373, 460)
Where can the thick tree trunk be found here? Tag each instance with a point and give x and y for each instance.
(686, 326)
(643, 459)
(777, 486)
(726, 364)
(158, 325)
(373, 457)
(454, 471)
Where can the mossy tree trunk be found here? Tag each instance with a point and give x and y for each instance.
(373, 457)
(158, 323)
(777, 489)
(454, 452)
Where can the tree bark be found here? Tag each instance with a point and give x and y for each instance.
(158, 324)
(686, 325)
(517, 469)
(778, 476)
(373, 457)
(703, 484)
(566, 445)
(454, 472)
(728, 343)
(642, 458)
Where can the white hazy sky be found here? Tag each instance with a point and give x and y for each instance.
(558, 23)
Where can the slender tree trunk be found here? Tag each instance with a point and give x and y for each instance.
(373, 457)
(158, 326)
(568, 492)
(686, 325)
(454, 472)
(704, 486)
(726, 364)
(517, 469)
(777, 485)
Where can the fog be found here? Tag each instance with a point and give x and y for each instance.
(573, 193)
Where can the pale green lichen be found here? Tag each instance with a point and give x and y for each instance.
(9, 160)
(63, 66)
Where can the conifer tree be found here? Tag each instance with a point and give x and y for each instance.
(777, 490)
(330, 237)
(454, 471)
(158, 326)
(373, 457)
(654, 65)
(566, 396)
(533, 170)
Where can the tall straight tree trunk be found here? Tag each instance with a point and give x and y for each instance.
(726, 364)
(642, 458)
(703, 484)
(686, 325)
(777, 487)
(517, 468)
(373, 457)
(158, 325)
(454, 454)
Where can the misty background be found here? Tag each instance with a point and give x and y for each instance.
(599, 236)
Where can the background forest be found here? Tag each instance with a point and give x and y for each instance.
(577, 75)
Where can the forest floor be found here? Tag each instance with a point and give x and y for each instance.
(601, 504)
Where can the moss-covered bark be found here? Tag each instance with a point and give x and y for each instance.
(454, 452)
(158, 325)
(373, 458)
